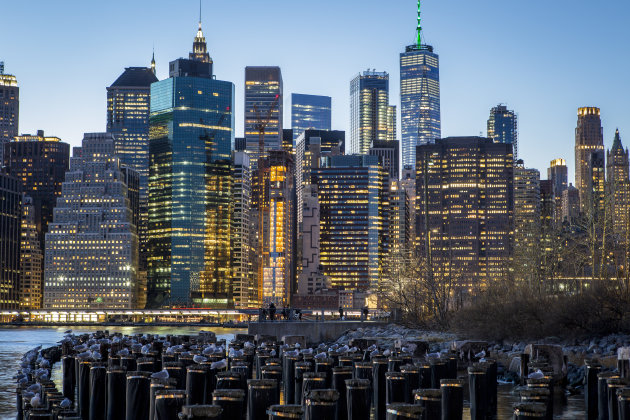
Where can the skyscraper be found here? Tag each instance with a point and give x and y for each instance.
(277, 245)
(570, 204)
(190, 183)
(309, 112)
(242, 235)
(263, 100)
(31, 259)
(9, 108)
(464, 208)
(618, 185)
(527, 227)
(369, 110)
(389, 155)
(39, 162)
(557, 173)
(10, 215)
(503, 127)
(399, 236)
(128, 102)
(353, 202)
(391, 123)
(311, 146)
(91, 258)
(419, 96)
(589, 138)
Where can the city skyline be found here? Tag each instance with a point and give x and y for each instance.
(546, 104)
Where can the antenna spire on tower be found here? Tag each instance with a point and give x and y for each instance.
(419, 28)
(200, 13)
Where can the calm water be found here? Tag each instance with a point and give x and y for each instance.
(15, 341)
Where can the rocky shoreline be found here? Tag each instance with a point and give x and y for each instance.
(508, 352)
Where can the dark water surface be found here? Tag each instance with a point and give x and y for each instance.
(15, 341)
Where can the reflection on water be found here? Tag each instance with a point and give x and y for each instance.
(15, 341)
(571, 408)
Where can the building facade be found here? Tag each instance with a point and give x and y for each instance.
(527, 219)
(570, 204)
(191, 134)
(503, 127)
(589, 138)
(31, 259)
(263, 103)
(369, 111)
(618, 186)
(389, 154)
(309, 112)
(128, 103)
(9, 108)
(242, 235)
(353, 205)
(419, 98)
(557, 173)
(91, 258)
(464, 209)
(311, 146)
(10, 215)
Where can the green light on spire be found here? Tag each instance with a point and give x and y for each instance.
(419, 29)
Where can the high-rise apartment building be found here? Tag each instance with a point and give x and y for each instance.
(263, 103)
(353, 203)
(128, 105)
(9, 108)
(557, 173)
(277, 235)
(399, 235)
(570, 204)
(31, 259)
(464, 208)
(596, 196)
(241, 235)
(311, 278)
(589, 138)
(40, 163)
(190, 183)
(10, 215)
(311, 146)
(527, 227)
(389, 155)
(503, 127)
(91, 258)
(309, 112)
(618, 190)
(369, 111)
(391, 123)
(419, 96)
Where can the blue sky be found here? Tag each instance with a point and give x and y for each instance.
(542, 58)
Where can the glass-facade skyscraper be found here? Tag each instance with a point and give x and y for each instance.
(10, 214)
(9, 108)
(191, 135)
(503, 127)
(419, 97)
(128, 120)
(309, 112)
(589, 139)
(370, 114)
(263, 98)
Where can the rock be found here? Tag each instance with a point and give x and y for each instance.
(515, 365)
(551, 354)
(472, 347)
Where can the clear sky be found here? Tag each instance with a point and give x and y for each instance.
(543, 58)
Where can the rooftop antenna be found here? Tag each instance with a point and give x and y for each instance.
(200, 13)
(1, 67)
(419, 28)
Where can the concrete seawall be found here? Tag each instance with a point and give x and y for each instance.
(313, 331)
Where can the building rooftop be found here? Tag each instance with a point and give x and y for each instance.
(135, 77)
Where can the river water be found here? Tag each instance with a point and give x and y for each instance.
(14, 342)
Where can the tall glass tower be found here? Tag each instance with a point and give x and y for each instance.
(309, 112)
(419, 96)
(370, 113)
(503, 127)
(191, 133)
(9, 108)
